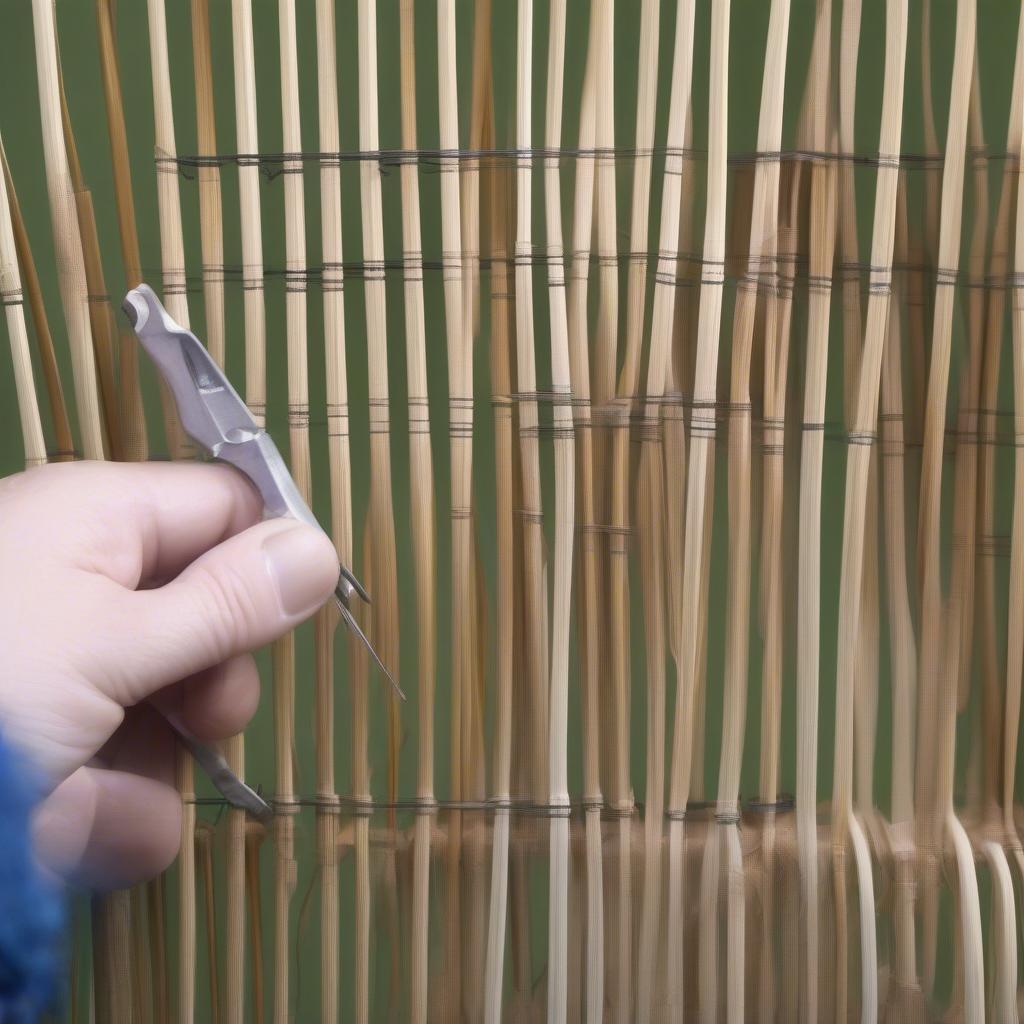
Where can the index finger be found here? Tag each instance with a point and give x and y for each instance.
(143, 522)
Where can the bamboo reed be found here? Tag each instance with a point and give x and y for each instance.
(935, 794)
(33, 443)
(66, 234)
(43, 339)
(652, 502)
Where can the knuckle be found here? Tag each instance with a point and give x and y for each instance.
(231, 609)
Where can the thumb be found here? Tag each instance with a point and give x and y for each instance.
(239, 595)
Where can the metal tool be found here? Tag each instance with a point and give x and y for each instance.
(217, 419)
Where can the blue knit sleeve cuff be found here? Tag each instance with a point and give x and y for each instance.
(31, 907)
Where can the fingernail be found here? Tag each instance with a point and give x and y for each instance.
(296, 562)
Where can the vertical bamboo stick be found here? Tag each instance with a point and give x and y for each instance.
(133, 421)
(822, 246)
(588, 578)
(558, 718)
(934, 804)
(526, 376)
(504, 629)
(100, 315)
(243, 62)
(212, 242)
(702, 432)
(652, 500)
(422, 507)
(66, 233)
(40, 322)
(211, 233)
(172, 258)
(863, 426)
(32, 439)
(902, 643)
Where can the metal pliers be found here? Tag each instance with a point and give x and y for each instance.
(216, 418)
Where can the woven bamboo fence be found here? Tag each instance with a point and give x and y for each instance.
(659, 367)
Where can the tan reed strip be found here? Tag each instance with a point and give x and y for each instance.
(244, 73)
(341, 504)
(844, 823)
(100, 314)
(33, 442)
(565, 485)
(133, 420)
(614, 454)
(902, 643)
(212, 247)
(531, 512)
(172, 258)
(40, 323)
(299, 463)
(764, 216)
(111, 919)
(204, 853)
(66, 233)
(588, 622)
(651, 503)
(822, 249)
(423, 518)
(481, 136)
(702, 432)
(937, 705)
(504, 628)
(211, 232)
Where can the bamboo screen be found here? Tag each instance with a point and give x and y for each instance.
(659, 366)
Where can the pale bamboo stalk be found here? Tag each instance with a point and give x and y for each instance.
(778, 322)
(614, 452)
(254, 833)
(588, 577)
(40, 322)
(526, 383)
(501, 399)
(211, 232)
(66, 233)
(422, 507)
(341, 500)
(255, 396)
(33, 442)
(651, 504)
(204, 848)
(863, 425)
(480, 131)
(702, 432)
(381, 540)
(822, 249)
(133, 420)
(934, 804)
(849, 48)
(298, 438)
(212, 243)
(172, 249)
(564, 454)
(902, 642)
(172, 258)
(100, 314)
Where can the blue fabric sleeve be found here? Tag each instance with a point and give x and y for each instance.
(32, 918)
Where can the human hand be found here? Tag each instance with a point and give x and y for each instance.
(125, 583)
